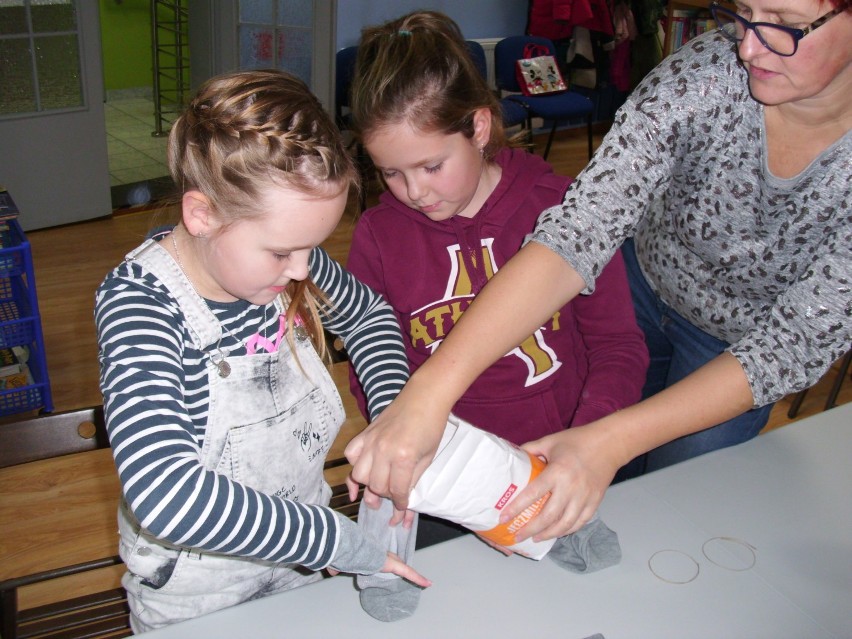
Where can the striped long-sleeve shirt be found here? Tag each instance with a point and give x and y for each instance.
(154, 383)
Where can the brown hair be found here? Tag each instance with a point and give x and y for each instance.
(417, 69)
(248, 130)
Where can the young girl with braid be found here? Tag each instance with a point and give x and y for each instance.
(219, 408)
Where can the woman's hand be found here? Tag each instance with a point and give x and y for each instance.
(390, 455)
(374, 501)
(583, 460)
(579, 470)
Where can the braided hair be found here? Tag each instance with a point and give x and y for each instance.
(247, 131)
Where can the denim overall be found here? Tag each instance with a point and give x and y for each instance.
(269, 426)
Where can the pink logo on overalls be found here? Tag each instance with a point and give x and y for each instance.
(258, 342)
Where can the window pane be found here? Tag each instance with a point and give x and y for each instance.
(58, 63)
(16, 77)
(294, 52)
(295, 13)
(53, 15)
(257, 11)
(255, 47)
(13, 17)
(295, 43)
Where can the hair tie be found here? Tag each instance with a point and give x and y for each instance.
(403, 32)
(720, 551)
(672, 569)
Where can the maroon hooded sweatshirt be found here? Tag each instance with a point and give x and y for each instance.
(587, 361)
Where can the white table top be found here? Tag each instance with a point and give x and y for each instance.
(788, 494)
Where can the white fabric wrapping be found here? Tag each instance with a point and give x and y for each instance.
(473, 477)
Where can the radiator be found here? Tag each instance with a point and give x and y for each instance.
(488, 45)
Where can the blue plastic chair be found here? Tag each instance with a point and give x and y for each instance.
(514, 113)
(344, 72)
(555, 108)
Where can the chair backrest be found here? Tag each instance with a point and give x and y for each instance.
(52, 435)
(478, 55)
(513, 112)
(344, 62)
(507, 52)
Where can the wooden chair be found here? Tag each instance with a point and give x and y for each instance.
(104, 614)
(52, 435)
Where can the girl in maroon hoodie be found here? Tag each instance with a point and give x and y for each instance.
(458, 205)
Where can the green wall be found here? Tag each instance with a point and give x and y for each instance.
(126, 43)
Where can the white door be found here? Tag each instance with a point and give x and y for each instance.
(52, 133)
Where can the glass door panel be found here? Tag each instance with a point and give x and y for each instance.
(40, 54)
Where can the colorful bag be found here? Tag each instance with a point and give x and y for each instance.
(538, 73)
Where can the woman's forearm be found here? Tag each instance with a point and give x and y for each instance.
(714, 393)
(582, 461)
(392, 453)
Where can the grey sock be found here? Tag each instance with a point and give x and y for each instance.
(383, 596)
(593, 547)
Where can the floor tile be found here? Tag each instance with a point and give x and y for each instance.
(134, 154)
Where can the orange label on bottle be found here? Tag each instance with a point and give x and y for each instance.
(504, 534)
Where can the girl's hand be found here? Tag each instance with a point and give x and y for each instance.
(579, 470)
(395, 565)
(390, 455)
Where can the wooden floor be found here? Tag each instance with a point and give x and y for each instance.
(70, 262)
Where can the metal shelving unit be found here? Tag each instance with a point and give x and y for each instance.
(170, 48)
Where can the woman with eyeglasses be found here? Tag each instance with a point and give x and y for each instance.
(729, 170)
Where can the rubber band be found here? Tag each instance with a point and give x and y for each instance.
(732, 540)
(672, 581)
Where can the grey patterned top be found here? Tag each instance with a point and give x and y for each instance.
(762, 263)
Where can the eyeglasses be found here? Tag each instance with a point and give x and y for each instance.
(777, 38)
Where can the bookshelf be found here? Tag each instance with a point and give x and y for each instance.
(686, 19)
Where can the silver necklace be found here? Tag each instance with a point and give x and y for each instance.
(218, 357)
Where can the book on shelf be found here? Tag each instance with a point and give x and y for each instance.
(687, 24)
(10, 362)
(16, 380)
(8, 209)
(14, 372)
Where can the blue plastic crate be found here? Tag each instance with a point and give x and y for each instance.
(29, 397)
(18, 400)
(20, 323)
(17, 324)
(13, 246)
